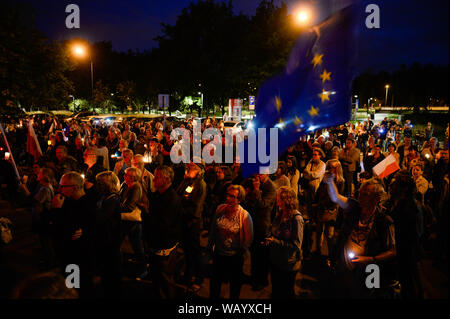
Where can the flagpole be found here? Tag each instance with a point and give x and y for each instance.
(10, 153)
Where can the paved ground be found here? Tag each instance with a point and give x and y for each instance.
(22, 260)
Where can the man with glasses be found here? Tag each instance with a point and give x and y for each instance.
(70, 222)
(146, 176)
(123, 164)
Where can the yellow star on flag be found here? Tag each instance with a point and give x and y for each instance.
(317, 60)
(325, 76)
(278, 103)
(313, 111)
(324, 96)
(297, 121)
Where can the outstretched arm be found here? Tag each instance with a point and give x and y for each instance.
(335, 197)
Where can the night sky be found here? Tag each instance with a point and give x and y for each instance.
(411, 30)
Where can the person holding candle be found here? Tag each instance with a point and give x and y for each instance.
(366, 237)
(192, 190)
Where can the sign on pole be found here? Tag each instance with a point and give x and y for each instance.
(163, 100)
(235, 109)
(251, 102)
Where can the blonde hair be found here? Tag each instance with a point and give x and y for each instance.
(107, 182)
(136, 173)
(339, 172)
(375, 186)
(288, 198)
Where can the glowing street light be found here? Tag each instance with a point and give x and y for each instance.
(303, 17)
(387, 88)
(81, 51)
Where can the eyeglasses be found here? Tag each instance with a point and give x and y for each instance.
(62, 186)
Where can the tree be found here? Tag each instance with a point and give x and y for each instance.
(126, 93)
(32, 68)
(102, 96)
(203, 50)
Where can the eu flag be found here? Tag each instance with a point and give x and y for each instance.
(313, 92)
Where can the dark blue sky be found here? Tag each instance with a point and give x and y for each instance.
(411, 30)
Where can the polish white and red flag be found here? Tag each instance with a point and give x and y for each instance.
(386, 167)
(33, 146)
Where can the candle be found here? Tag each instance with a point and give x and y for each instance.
(147, 158)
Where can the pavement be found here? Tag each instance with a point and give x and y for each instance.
(22, 261)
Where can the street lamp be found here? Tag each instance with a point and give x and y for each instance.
(387, 88)
(303, 17)
(73, 101)
(80, 51)
(201, 94)
(356, 106)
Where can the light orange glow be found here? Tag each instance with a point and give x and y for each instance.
(303, 17)
(79, 50)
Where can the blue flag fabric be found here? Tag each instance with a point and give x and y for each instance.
(314, 92)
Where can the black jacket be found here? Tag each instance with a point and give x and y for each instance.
(64, 222)
(164, 221)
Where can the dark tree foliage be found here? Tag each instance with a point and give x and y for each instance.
(32, 68)
(209, 49)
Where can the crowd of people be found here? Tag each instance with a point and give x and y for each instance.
(97, 184)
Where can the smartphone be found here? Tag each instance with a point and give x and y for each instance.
(351, 255)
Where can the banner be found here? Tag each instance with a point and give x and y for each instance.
(386, 167)
(33, 146)
(235, 109)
